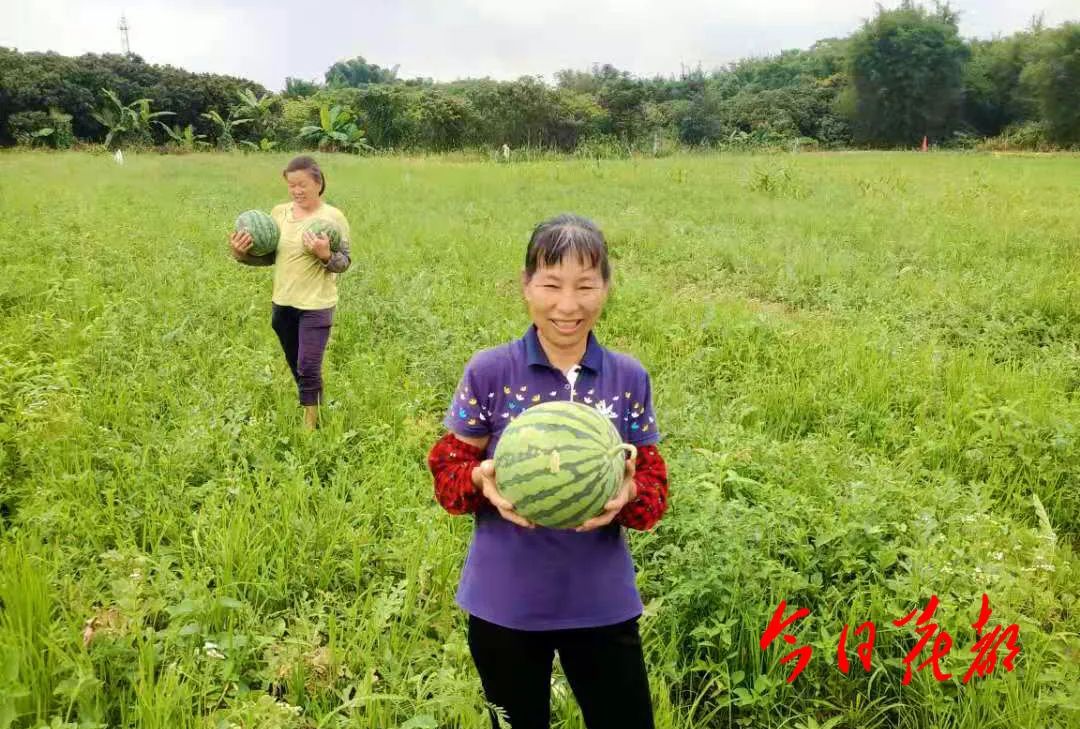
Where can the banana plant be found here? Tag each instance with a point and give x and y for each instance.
(225, 127)
(264, 145)
(122, 119)
(115, 118)
(256, 107)
(337, 130)
(185, 138)
(144, 117)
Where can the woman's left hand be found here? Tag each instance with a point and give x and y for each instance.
(317, 245)
(626, 494)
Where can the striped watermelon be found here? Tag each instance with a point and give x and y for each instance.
(325, 227)
(559, 462)
(264, 231)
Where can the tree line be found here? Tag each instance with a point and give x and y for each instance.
(905, 74)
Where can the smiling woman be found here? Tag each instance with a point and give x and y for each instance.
(565, 283)
(306, 263)
(529, 590)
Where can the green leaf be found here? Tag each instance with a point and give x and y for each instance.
(186, 607)
(745, 697)
(886, 558)
(113, 97)
(424, 721)
(7, 709)
(173, 134)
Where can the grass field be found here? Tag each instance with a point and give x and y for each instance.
(867, 368)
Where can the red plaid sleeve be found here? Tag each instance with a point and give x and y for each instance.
(451, 461)
(650, 477)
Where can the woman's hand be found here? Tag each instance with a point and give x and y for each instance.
(240, 242)
(483, 477)
(317, 245)
(626, 494)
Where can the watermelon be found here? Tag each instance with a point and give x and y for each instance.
(325, 227)
(264, 231)
(559, 462)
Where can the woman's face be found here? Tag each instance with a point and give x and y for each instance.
(303, 189)
(565, 300)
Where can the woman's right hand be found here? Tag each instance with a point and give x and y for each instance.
(483, 477)
(240, 241)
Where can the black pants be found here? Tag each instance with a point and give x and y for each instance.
(605, 668)
(303, 335)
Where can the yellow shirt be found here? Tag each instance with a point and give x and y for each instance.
(300, 278)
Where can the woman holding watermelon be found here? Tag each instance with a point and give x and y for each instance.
(305, 276)
(531, 591)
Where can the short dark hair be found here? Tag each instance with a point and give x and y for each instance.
(554, 239)
(308, 164)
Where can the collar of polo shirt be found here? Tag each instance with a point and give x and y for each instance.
(534, 353)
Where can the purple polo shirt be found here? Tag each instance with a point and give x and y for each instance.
(548, 579)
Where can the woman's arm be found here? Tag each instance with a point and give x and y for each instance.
(452, 461)
(249, 260)
(240, 243)
(651, 482)
(339, 261)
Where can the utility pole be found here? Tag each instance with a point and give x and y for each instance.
(124, 35)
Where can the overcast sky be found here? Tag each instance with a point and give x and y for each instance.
(267, 40)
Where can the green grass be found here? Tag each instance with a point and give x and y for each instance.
(866, 366)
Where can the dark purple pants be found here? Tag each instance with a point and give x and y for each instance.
(303, 336)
